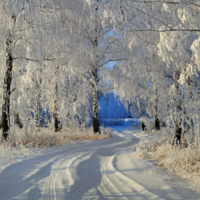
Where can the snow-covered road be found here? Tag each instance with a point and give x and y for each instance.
(106, 169)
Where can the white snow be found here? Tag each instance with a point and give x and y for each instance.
(103, 169)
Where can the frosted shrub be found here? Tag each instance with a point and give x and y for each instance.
(148, 123)
(48, 137)
(183, 160)
(10, 149)
(19, 143)
(143, 153)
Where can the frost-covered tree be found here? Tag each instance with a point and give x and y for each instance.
(131, 79)
(95, 44)
(19, 21)
(178, 25)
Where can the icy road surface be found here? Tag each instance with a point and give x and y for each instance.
(106, 169)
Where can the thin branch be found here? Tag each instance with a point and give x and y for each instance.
(12, 90)
(168, 76)
(105, 90)
(33, 60)
(167, 2)
(169, 30)
(88, 80)
(113, 60)
(151, 16)
(146, 40)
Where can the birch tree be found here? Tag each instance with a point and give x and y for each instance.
(17, 18)
(94, 46)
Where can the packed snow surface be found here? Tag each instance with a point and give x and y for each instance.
(103, 169)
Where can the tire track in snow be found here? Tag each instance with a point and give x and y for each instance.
(24, 186)
(88, 171)
(28, 174)
(82, 182)
(91, 178)
(70, 175)
(56, 167)
(107, 187)
(123, 183)
(53, 184)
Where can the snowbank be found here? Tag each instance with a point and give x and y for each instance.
(182, 161)
(19, 143)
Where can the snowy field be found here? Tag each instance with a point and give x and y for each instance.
(103, 169)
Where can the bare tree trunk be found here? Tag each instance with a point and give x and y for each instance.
(178, 128)
(38, 111)
(67, 113)
(18, 123)
(55, 103)
(96, 127)
(157, 121)
(27, 118)
(140, 111)
(56, 112)
(178, 132)
(5, 121)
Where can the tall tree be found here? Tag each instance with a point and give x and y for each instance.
(95, 43)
